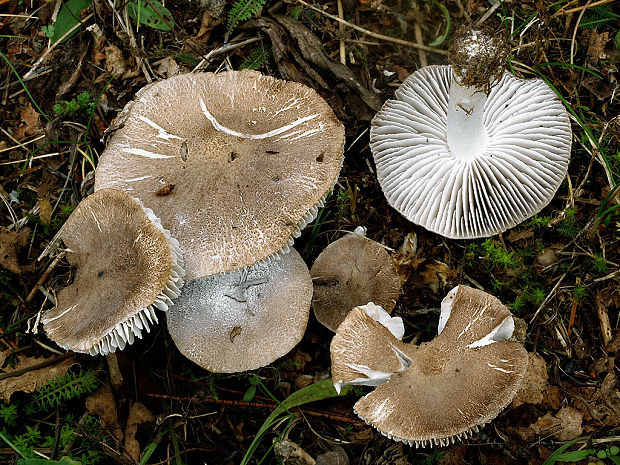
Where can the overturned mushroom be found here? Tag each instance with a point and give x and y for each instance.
(244, 162)
(244, 320)
(441, 390)
(127, 265)
(350, 272)
(466, 155)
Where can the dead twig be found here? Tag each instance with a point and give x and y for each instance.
(406, 43)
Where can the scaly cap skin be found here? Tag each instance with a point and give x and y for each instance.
(446, 388)
(126, 266)
(246, 160)
(352, 271)
(463, 164)
(244, 320)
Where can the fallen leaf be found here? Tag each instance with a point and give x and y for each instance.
(521, 234)
(30, 123)
(596, 45)
(11, 243)
(45, 211)
(433, 275)
(114, 61)
(534, 383)
(564, 425)
(138, 414)
(30, 381)
(102, 403)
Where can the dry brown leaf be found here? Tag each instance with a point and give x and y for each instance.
(114, 61)
(401, 72)
(515, 235)
(30, 381)
(138, 414)
(564, 425)
(11, 243)
(45, 211)
(433, 275)
(534, 383)
(30, 123)
(102, 403)
(596, 45)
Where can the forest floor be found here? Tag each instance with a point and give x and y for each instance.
(66, 71)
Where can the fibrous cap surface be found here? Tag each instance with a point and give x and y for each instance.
(527, 143)
(126, 266)
(246, 160)
(443, 389)
(352, 271)
(243, 320)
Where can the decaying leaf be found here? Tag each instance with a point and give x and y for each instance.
(30, 123)
(114, 61)
(433, 275)
(596, 45)
(534, 383)
(30, 381)
(138, 414)
(11, 243)
(102, 403)
(45, 211)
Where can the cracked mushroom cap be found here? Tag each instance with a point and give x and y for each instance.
(466, 165)
(352, 271)
(441, 390)
(127, 265)
(234, 164)
(244, 320)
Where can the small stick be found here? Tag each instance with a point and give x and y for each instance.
(573, 311)
(343, 56)
(266, 405)
(374, 34)
(36, 366)
(44, 276)
(603, 318)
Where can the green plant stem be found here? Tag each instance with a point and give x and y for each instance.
(41, 112)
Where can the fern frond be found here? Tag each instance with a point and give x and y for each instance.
(70, 386)
(242, 10)
(256, 59)
(597, 16)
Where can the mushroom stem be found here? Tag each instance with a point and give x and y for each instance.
(467, 136)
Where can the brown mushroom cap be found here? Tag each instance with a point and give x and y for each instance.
(126, 265)
(243, 320)
(453, 385)
(352, 271)
(245, 161)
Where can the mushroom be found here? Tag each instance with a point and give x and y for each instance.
(441, 390)
(352, 271)
(127, 265)
(467, 156)
(243, 320)
(235, 164)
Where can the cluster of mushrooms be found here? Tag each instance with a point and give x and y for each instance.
(207, 179)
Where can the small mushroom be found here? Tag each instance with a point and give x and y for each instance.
(350, 272)
(243, 320)
(127, 265)
(469, 158)
(250, 158)
(441, 390)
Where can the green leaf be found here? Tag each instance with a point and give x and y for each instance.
(559, 452)
(151, 13)
(148, 451)
(317, 391)
(250, 393)
(68, 18)
(575, 456)
(242, 10)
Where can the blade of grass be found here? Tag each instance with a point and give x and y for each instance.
(41, 112)
(317, 391)
(568, 65)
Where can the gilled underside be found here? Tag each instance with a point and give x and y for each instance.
(126, 265)
(234, 164)
(463, 164)
(439, 391)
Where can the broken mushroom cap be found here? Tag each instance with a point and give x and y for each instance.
(244, 320)
(443, 389)
(465, 164)
(235, 164)
(352, 271)
(127, 265)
